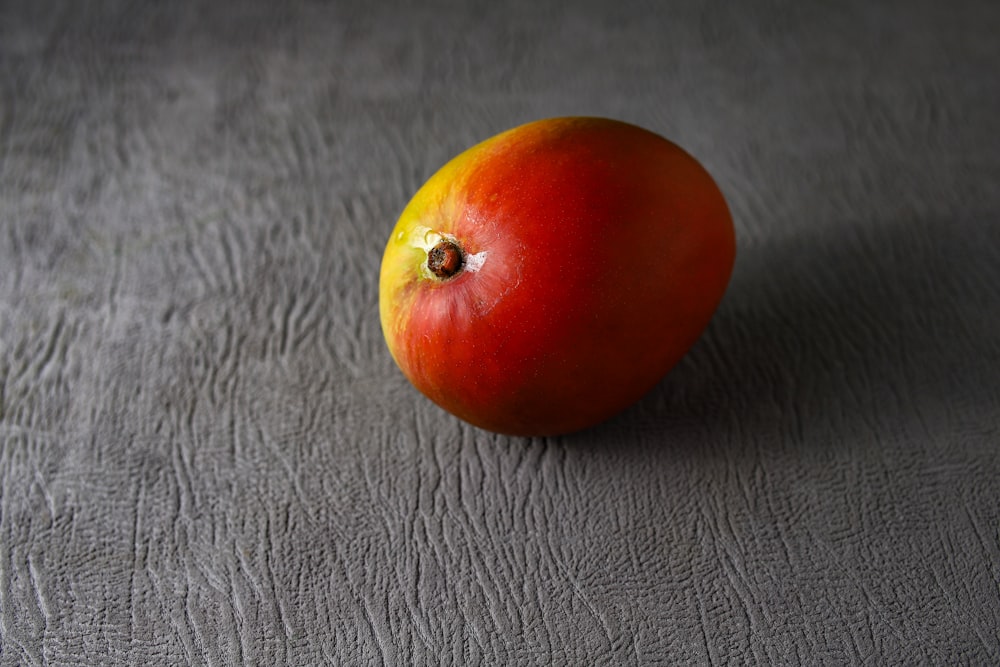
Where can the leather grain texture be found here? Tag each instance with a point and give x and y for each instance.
(208, 457)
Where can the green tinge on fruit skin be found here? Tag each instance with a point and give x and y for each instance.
(425, 221)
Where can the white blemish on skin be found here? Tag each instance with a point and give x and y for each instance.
(475, 262)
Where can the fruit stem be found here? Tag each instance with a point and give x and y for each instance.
(445, 259)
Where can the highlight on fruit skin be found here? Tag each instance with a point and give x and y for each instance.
(547, 278)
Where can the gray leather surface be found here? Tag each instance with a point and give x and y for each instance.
(209, 458)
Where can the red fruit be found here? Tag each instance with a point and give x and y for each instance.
(547, 278)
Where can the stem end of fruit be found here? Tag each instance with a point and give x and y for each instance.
(445, 259)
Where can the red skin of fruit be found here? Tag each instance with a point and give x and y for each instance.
(595, 253)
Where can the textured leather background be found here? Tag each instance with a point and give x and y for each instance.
(209, 458)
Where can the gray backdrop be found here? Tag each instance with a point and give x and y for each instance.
(208, 456)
